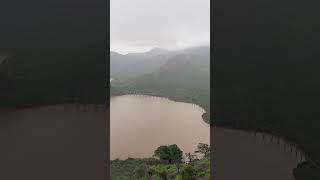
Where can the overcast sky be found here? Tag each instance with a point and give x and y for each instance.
(139, 25)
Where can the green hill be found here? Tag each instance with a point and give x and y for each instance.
(184, 77)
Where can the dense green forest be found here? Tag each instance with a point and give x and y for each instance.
(166, 161)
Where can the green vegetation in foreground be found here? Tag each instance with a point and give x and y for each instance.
(168, 162)
(123, 169)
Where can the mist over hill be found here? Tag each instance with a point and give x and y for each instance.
(135, 64)
(180, 75)
(132, 65)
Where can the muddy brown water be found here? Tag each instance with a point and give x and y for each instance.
(68, 142)
(139, 124)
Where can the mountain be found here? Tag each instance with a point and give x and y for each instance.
(151, 53)
(185, 77)
(183, 67)
(124, 67)
(180, 71)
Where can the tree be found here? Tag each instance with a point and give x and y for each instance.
(203, 149)
(189, 172)
(170, 153)
(190, 157)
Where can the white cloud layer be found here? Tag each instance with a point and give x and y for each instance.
(139, 25)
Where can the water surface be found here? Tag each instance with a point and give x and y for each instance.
(139, 124)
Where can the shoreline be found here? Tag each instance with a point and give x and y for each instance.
(178, 121)
(174, 100)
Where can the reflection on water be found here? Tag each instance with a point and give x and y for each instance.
(139, 124)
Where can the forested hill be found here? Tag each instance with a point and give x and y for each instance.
(185, 76)
(135, 64)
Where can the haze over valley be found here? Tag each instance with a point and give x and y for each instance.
(158, 98)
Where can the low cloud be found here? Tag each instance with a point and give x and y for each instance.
(139, 25)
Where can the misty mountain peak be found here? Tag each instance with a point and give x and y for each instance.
(157, 50)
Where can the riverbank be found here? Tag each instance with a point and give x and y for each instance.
(204, 104)
(150, 121)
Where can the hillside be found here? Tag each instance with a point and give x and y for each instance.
(184, 77)
(132, 65)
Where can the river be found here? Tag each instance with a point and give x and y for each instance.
(139, 124)
(58, 142)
